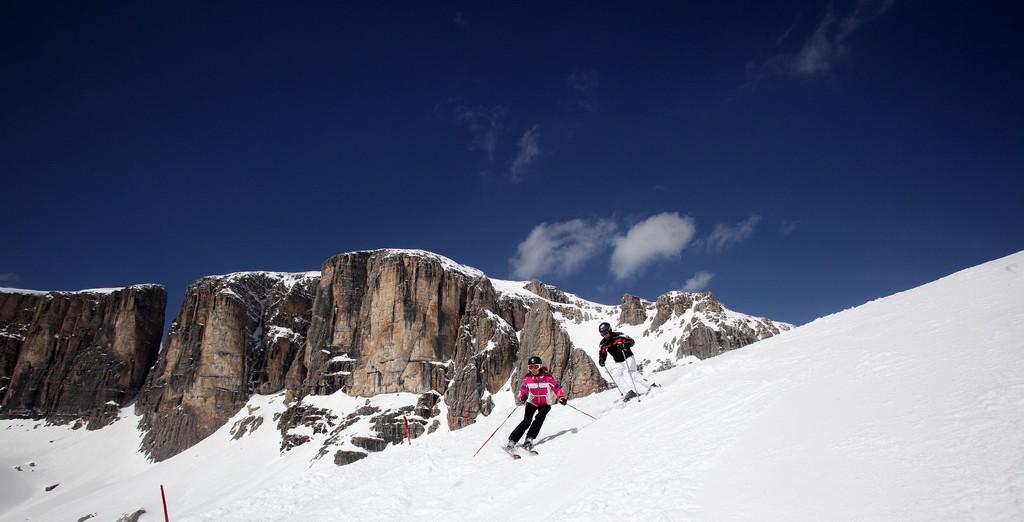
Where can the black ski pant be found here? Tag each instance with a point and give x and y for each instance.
(541, 411)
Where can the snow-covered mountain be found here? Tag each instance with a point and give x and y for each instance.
(907, 407)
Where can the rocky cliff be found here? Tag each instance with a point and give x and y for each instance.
(544, 337)
(68, 356)
(385, 321)
(704, 327)
(433, 335)
(235, 335)
(17, 308)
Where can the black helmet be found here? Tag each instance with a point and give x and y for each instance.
(604, 328)
(534, 360)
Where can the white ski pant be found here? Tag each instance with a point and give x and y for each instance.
(621, 373)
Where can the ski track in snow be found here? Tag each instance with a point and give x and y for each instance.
(906, 408)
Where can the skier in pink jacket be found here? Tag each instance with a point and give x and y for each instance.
(539, 391)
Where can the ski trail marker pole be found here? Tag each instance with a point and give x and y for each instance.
(164, 499)
(496, 429)
(581, 411)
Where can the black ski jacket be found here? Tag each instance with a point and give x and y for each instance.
(616, 344)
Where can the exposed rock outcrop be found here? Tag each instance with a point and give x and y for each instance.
(571, 367)
(708, 328)
(632, 310)
(235, 335)
(394, 315)
(343, 457)
(371, 323)
(667, 305)
(77, 355)
(485, 353)
(17, 308)
(548, 292)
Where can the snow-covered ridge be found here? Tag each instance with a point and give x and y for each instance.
(446, 263)
(289, 279)
(517, 289)
(21, 291)
(24, 291)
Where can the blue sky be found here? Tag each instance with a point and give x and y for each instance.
(794, 158)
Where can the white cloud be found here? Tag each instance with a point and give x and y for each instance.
(789, 226)
(817, 53)
(724, 235)
(529, 150)
(484, 124)
(827, 43)
(698, 282)
(662, 236)
(9, 277)
(560, 248)
(584, 82)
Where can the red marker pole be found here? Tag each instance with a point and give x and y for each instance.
(164, 499)
(408, 435)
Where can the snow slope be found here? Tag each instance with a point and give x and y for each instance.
(909, 407)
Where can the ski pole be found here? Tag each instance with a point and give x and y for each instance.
(628, 371)
(581, 411)
(606, 370)
(496, 429)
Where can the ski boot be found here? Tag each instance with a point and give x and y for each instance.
(528, 446)
(510, 448)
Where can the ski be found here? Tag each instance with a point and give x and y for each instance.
(512, 453)
(532, 452)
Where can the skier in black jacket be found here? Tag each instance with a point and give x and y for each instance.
(624, 374)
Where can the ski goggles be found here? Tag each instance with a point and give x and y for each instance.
(533, 366)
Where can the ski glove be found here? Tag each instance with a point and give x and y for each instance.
(562, 400)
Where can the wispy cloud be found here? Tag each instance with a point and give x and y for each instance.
(663, 236)
(788, 226)
(9, 277)
(529, 150)
(485, 125)
(560, 248)
(785, 34)
(584, 82)
(699, 281)
(725, 235)
(818, 54)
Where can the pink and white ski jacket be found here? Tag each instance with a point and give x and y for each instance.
(541, 389)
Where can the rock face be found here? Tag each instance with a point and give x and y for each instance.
(548, 292)
(17, 308)
(370, 323)
(632, 310)
(485, 354)
(570, 366)
(235, 335)
(672, 303)
(386, 321)
(716, 331)
(77, 355)
(389, 321)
